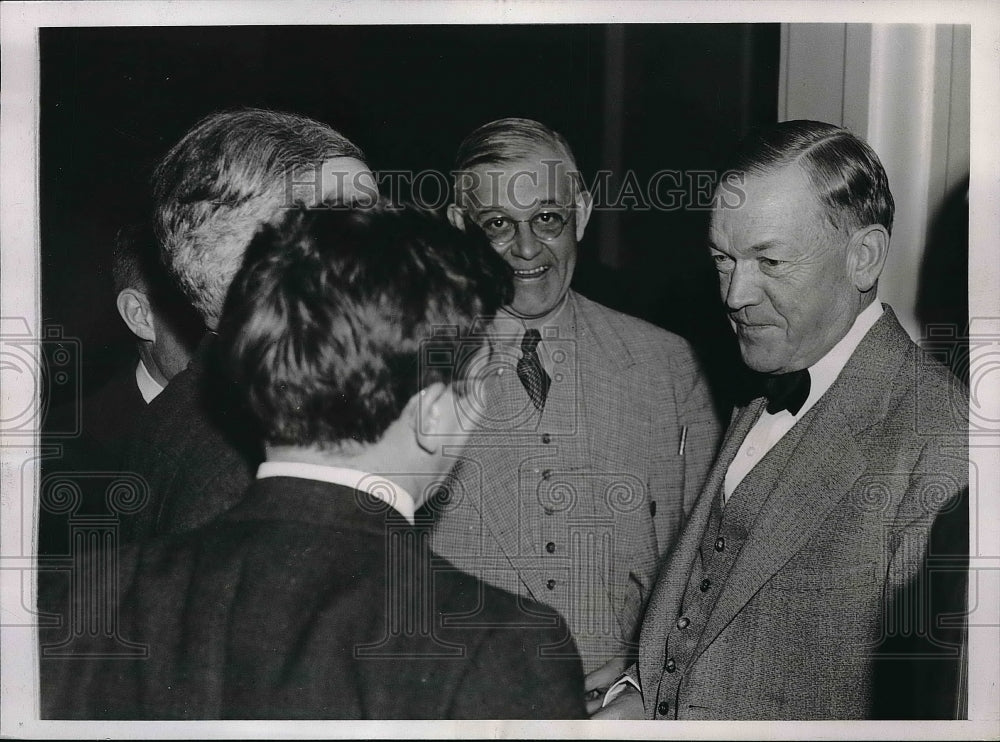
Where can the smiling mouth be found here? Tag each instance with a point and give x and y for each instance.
(751, 327)
(532, 273)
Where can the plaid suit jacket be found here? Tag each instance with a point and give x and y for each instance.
(847, 599)
(608, 456)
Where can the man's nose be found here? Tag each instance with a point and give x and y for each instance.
(740, 288)
(526, 245)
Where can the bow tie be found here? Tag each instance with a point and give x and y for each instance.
(787, 391)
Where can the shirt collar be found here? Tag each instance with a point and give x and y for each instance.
(825, 371)
(379, 487)
(508, 329)
(149, 387)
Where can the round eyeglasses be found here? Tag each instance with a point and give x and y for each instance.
(545, 225)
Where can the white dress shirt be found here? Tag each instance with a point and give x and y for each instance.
(379, 487)
(769, 429)
(558, 324)
(149, 387)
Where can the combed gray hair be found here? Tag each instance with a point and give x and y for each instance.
(510, 140)
(225, 178)
(847, 176)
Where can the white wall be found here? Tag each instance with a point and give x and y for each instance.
(905, 89)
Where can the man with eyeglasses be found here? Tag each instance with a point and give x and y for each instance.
(598, 428)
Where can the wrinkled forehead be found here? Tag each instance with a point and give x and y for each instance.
(519, 185)
(767, 195)
(773, 206)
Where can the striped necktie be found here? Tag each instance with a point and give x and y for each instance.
(530, 371)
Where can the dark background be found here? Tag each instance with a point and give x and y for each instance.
(644, 97)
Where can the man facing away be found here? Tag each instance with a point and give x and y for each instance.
(598, 427)
(165, 330)
(821, 574)
(231, 173)
(353, 339)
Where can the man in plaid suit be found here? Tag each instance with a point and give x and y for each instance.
(598, 428)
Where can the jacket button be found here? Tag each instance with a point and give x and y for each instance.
(546, 438)
(720, 543)
(550, 547)
(671, 665)
(547, 474)
(551, 584)
(705, 584)
(683, 622)
(662, 708)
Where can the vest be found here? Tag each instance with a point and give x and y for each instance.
(726, 532)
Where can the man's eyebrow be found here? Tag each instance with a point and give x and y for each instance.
(766, 245)
(758, 248)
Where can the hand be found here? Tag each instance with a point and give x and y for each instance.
(627, 705)
(597, 683)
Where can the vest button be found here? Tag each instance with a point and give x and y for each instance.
(705, 584)
(683, 622)
(547, 474)
(662, 708)
(671, 665)
(550, 547)
(546, 438)
(652, 509)
(720, 543)
(551, 584)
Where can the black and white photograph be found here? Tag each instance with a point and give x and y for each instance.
(523, 369)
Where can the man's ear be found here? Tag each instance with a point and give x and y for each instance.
(869, 248)
(136, 312)
(584, 205)
(456, 216)
(426, 412)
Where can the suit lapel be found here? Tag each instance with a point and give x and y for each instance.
(816, 468)
(664, 604)
(814, 476)
(610, 401)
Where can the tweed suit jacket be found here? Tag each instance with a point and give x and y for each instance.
(196, 451)
(607, 453)
(846, 598)
(110, 414)
(306, 600)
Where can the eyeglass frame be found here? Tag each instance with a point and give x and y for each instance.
(528, 221)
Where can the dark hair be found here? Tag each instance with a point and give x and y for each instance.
(221, 181)
(846, 173)
(135, 258)
(339, 316)
(135, 264)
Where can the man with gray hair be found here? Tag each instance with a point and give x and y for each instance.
(821, 574)
(599, 427)
(229, 175)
